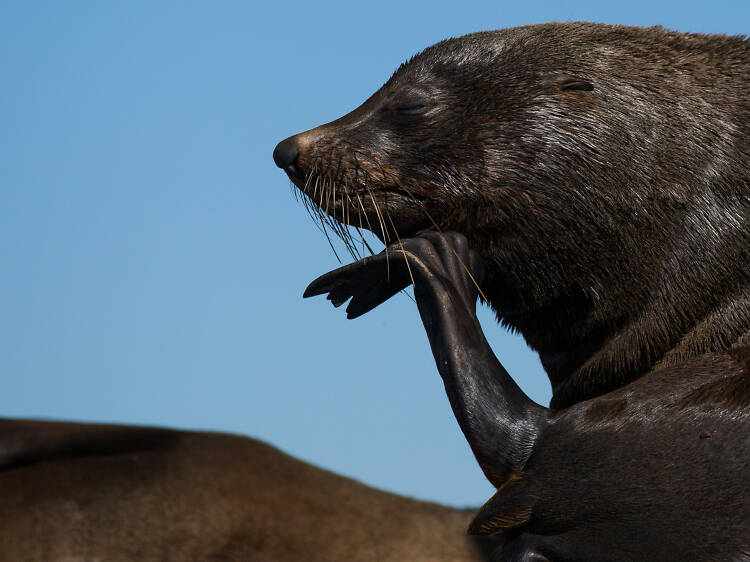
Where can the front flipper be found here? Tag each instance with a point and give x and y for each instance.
(368, 282)
(498, 420)
(427, 259)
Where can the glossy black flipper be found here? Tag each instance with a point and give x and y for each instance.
(499, 421)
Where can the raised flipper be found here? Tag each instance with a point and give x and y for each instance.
(24, 442)
(499, 421)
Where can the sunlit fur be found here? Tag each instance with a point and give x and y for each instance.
(603, 173)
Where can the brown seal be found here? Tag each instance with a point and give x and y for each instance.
(74, 492)
(602, 172)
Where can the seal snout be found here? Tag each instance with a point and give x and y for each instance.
(285, 155)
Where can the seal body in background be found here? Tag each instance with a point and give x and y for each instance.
(602, 172)
(72, 491)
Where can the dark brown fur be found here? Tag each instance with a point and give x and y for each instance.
(602, 172)
(656, 470)
(80, 492)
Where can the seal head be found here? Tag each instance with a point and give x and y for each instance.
(602, 172)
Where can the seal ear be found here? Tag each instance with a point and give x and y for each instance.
(567, 82)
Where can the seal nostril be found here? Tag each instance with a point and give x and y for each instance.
(285, 154)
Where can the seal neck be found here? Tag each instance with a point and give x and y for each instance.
(660, 336)
(605, 306)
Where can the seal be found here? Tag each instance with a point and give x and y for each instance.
(602, 173)
(656, 470)
(74, 491)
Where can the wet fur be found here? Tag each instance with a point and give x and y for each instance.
(656, 470)
(602, 172)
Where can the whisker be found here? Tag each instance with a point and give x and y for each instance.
(379, 215)
(346, 207)
(383, 230)
(466, 268)
(325, 221)
(346, 235)
(328, 195)
(369, 227)
(436, 226)
(333, 196)
(330, 243)
(367, 219)
(403, 251)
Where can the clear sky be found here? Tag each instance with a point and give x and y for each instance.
(153, 258)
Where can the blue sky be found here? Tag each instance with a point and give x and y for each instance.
(154, 258)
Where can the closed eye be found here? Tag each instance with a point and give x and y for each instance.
(415, 109)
